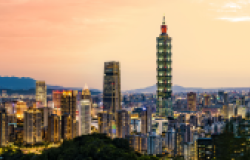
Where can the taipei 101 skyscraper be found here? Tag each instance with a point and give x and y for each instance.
(164, 76)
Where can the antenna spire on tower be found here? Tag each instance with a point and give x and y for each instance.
(163, 21)
(86, 87)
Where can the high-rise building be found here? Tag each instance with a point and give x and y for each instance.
(85, 117)
(41, 93)
(112, 87)
(164, 76)
(191, 100)
(68, 106)
(204, 149)
(123, 124)
(3, 128)
(225, 98)
(106, 124)
(68, 128)
(206, 100)
(154, 144)
(32, 128)
(56, 97)
(21, 107)
(138, 143)
(54, 128)
(146, 120)
(170, 141)
(221, 95)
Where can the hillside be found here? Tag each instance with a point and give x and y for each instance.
(87, 147)
(27, 85)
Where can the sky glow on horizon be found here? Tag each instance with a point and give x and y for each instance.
(66, 42)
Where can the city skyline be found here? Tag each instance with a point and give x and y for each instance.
(66, 45)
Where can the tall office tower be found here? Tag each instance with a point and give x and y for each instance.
(54, 128)
(221, 95)
(3, 128)
(68, 103)
(164, 76)
(21, 107)
(206, 100)
(226, 98)
(111, 87)
(32, 128)
(41, 93)
(68, 128)
(146, 120)
(85, 117)
(191, 100)
(46, 112)
(106, 124)
(56, 97)
(123, 124)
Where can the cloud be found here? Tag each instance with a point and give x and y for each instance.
(232, 5)
(235, 19)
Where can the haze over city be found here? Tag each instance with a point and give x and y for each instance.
(66, 42)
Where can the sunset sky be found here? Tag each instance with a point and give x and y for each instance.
(66, 42)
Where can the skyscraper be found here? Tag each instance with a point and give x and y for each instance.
(41, 93)
(3, 129)
(111, 87)
(123, 124)
(85, 111)
(68, 103)
(164, 76)
(32, 128)
(221, 95)
(56, 96)
(54, 128)
(225, 98)
(206, 100)
(85, 117)
(68, 106)
(68, 130)
(20, 108)
(106, 124)
(191, 101)
(146, 120)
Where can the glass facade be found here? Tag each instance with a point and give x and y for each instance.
(41, 93)
(111, 87)
(164, 75)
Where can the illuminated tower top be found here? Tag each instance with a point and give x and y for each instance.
(163, 27)
(86, 94)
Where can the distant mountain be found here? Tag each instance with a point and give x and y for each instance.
(17, 83)
(176, 88)
(27, 83)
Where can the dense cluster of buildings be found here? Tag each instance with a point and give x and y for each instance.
(185, 124)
